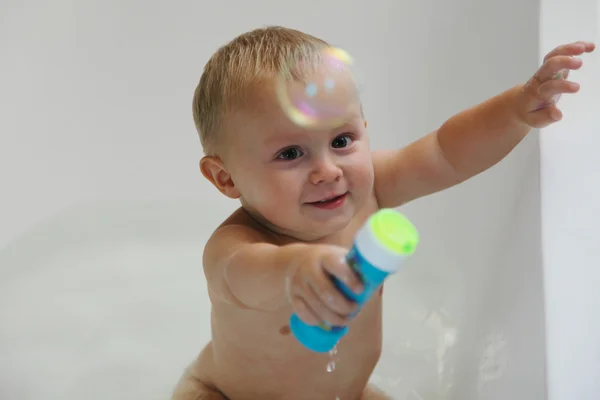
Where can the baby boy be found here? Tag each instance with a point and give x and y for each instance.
(304, 191)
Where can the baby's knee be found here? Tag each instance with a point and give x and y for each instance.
(372, 393)
(191, 388)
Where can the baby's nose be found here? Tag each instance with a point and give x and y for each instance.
(325, 172)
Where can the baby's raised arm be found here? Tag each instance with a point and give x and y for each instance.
(475, 139)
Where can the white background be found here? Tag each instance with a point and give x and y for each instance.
(571, 211)
(95, 114)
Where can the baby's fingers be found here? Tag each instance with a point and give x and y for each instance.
(335, 264)
(571, 49)
(557, 64)
(550, 90)
(325, 312)
(330, 296)
(304, 311)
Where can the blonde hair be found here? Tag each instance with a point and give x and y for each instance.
(239, 67)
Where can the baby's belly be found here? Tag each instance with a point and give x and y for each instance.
(264, 360)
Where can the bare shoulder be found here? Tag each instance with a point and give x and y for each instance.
(239, 229)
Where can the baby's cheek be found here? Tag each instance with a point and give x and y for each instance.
(362, 167)
(362, 177)
(275, 198)
(261, 192)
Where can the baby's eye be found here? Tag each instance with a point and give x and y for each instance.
(341, 141)
(290, 154)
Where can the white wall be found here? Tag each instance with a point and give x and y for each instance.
(571, 211)
(96, 97)
(95, 106)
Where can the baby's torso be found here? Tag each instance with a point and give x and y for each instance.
(254, 355)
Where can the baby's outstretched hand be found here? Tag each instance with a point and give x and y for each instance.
(310, 288)
(537, 101)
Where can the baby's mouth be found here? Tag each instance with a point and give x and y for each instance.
(329, 200)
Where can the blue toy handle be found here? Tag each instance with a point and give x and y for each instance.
(322, 338)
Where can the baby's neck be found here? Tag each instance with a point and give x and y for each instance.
(281, 236)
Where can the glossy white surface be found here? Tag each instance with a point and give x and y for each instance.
(103, 302)
(571, 211)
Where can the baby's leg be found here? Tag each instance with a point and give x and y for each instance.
(372, 393)
(191, 388)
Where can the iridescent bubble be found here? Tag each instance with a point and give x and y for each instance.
(319, 97)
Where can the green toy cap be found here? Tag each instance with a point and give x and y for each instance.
(394, 231)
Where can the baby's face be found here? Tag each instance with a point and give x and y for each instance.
(305, 182)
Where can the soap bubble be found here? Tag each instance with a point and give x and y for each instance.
(321, 98)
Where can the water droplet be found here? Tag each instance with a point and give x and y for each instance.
(331, 366)
(333, 351)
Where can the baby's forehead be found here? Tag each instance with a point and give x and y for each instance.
(288, 103)
(270, 123)
(261, 114)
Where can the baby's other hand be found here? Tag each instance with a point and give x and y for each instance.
(314, 297)
(537, 101)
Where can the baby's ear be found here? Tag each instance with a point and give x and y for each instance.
(214, 170)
